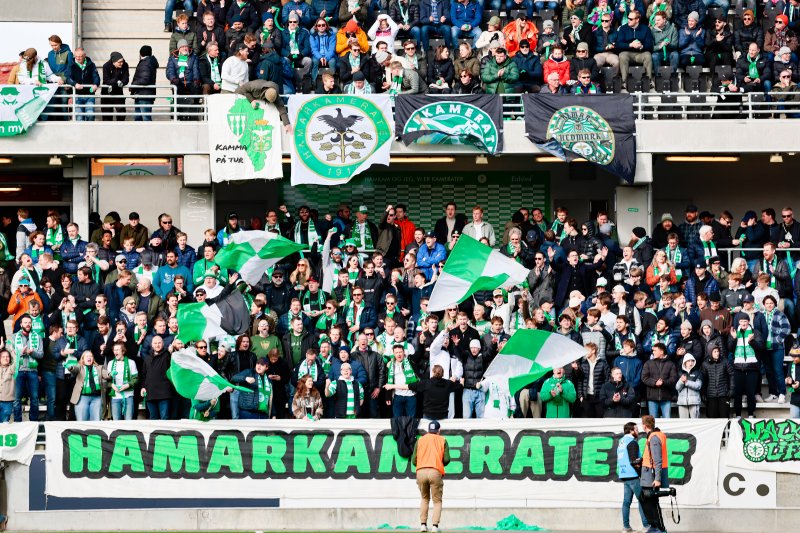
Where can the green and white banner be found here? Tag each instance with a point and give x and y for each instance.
(766, 444)
(244, 141)
(18, 441)
(21, 105)
(338, 137)
(356, 463)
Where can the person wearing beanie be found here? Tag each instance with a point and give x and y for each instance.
(642, 248)
(115, 78)
(719, 44)
(296, 47)
(745, 344)
(528, 64)
(247, 13)
(778, 36)
(473, 397)
(183, 71)
(256, 404)
(358, 85)
(692, 42)
(750, 31)
(145, 75)
(492, 35)
(349, 34)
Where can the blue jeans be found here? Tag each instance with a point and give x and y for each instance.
(404, 406)
(49, 382)
(244, 414)
(118, 412)
(660, 409)
(788, 303)
(773, 363)
(672, 58)
(6, 410)
(794, 411)
(538, 5)
(332, 62)
(158, 409)
(234, 405)
(370, 409)
(438, 29)
(751, 263)
(142, 109)
(473, 400)
(170, 7)
(88, 408)
(457, 33)
(632, 488)
(27, 386)
(724, 4)
(84, 108)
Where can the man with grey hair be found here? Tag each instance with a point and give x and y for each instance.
(704, 248)
(517, 248)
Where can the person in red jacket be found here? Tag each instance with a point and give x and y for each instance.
(557, 63)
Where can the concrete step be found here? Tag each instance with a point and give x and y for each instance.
(132, 24)
(100, 50)
(124, 5)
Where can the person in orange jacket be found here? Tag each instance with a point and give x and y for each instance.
(430, 456)
(557, 63)
(350, 33)
(19, 302)
(519, 30)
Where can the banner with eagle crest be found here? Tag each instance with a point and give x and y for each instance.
(244, 139)
(338, 137)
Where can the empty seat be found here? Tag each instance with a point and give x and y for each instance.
(514, 14)
(637, 81)
(693, 79)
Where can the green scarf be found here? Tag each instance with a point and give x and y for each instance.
(325, 322)
(773, 282)
(304, 368)
(91, 381)
(20, 341)
(37, 325)
(408, 372)
(558, 228)
(264, 393)
(744, 353)
(294, 49)
(752, 68)
(311, 235)
(709, 249)
(619, 339)
(126, 373)
(768, 316)
(396, 86)
(350, 409)
(183, 62)
(319, 300)
(366, 243)
(510, 250)
(42, 77)
(676, 258)
(216, 77)
(5, 255)
(54, 238)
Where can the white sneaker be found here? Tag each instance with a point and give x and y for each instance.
(759, 399)
(434, 529)
(423, 528)
(770, 398)
(627, 530)
(782, 398)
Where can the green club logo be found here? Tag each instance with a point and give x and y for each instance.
(583, 131)
(454, 123)
(335, 135)
(755, 451)
(772, 441)
(252, 130)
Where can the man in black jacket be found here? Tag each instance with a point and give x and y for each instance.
(475, 365)
(450, 222)
(211, 69)
(145, 74)
(371, 362)
(437, 393)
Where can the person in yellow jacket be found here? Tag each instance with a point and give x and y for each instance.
(430, 456)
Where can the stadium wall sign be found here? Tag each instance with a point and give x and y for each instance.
(768, 444)
(18, 441)
(556, 460)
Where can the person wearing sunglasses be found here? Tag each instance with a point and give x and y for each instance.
(750, 31)
(323, 47)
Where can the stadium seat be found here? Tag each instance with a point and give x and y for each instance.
(489, 13)
(714, 12)
(637, 81)
(699, 111)
(611, 82)
(665, 80)
(770, 12)
(718, 72)
(547, 14)
(758, 100)
(670, 112)
(693, 79)
(433, 44)
(514, 13)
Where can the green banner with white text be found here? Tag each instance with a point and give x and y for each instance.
(21, 105)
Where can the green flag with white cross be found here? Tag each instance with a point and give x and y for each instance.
(530, 354)
(251, 253)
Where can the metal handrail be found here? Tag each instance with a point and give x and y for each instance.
(778, 251)
(171, 106)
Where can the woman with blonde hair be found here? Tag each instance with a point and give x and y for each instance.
(87, 394)
(299, 277)
(307, 401)
(658, 268)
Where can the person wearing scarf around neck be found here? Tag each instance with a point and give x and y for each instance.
(752, 69)
(87, 394)
(123, 375)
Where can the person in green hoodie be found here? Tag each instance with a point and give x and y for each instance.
(500, 74)
(558, 393)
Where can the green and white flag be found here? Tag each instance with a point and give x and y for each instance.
(338, 137)
(228, 316)
(251, 253)
(471, 267)
(21, 105)
(530, 354)
(194, 379)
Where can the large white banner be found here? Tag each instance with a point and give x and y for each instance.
(18, 441)
(356, 461)
(767, 444)
(244, 141)
(338, 137)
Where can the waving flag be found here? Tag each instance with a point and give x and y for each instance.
(251, 253)
(530, 354)
(228, 316)
(471, 267)
(194, 379)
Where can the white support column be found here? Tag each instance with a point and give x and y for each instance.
(81, 198)
(197, 212)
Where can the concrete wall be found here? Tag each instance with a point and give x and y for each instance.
(37, 11)
(148, 195)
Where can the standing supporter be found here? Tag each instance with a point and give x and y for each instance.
(116, 75)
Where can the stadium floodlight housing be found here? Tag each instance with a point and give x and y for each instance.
(5, 160)
(55, 161)
(702, 158)
(776, 158)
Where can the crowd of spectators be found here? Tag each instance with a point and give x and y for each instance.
(343, 330)
(444, 46)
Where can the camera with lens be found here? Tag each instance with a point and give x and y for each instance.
(651, 492)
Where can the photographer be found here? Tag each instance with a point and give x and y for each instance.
(629, 468)
(655, 467)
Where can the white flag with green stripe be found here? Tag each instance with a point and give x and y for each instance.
(530, 354)
(251, 253)
(471, 267)
(194, 379)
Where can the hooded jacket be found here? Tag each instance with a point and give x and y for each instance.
(718, 377)
(61, 61)
(145, 74)
(689, 392)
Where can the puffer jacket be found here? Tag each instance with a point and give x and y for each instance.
(717, 377)
(689, 392)
(599, 377)
(474, 367)
(625, 406)
(588, 244)
(715, 339)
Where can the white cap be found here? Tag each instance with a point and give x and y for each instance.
(474, 343)
(602, 282)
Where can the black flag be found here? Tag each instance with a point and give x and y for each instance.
(470, 119)
(600, 129)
